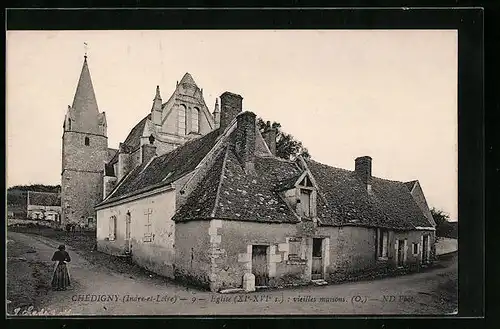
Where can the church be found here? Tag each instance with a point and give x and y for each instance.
(201, 197)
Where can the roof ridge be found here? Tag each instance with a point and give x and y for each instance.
(221, 178)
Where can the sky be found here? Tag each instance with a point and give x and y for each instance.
(389, 94)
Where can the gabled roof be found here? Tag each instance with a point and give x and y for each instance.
(111, 153)
(133, 140)
(389, 205)
(44, 199)
(410, 184)
(228, 192)
(166, 168)
(187, 79)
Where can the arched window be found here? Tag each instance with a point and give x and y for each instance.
(195, 120)
(87, 141)
(182, 120)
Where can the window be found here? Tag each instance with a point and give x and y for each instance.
(69, 124)
(87, 141)
(382, 243)
(195, 120)
(112, 228)
(415, 248)
(148, 234)
(181, 120)
(305, 202)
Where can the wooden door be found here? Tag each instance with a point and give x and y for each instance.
(425, 247)
(317, 260)
(259, 265)
(401, 254)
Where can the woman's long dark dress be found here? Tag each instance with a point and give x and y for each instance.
(60, 279)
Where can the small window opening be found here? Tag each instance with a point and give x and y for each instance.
(87, 141)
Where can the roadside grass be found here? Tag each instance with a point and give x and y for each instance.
(26, 279)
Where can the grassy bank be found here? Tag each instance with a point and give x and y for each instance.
(26, 277)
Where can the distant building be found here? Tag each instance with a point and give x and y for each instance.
(44, 206)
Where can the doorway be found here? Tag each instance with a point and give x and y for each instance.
(401, 252)
(425, 248)
(317, 260)
(259, 265)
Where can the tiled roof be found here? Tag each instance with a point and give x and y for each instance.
(44, 199)
(410, 184)
(241, 196)
(111, 153)
(166, 168)
(347, 202)
(133, 140)
(201, 202)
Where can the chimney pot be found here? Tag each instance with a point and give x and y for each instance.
(269, 136)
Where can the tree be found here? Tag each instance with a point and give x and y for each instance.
(443, 226)
(287, 147)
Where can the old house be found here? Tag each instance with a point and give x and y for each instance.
(44, 206)
(222, 205)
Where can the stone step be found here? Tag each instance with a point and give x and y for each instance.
(319, 282)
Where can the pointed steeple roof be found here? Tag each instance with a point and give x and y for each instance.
(187, 79)
(157, 95)
(85, 100)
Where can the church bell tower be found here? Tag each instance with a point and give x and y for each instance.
(84, 152)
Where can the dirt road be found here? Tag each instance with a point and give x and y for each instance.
(100, 291)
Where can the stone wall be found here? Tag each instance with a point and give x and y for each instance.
(80, 192)
(232, 253)
(192, 253)
(419, 197)
(151, 242)
(81, 181)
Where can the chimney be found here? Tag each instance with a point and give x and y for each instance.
(148, 150)
(245, 140)
(269, 135)
(123, 161)
(363, 168)
(231, 106)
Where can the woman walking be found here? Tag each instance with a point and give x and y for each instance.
(60, 279)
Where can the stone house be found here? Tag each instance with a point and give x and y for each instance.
(44, 206)
(222, 205)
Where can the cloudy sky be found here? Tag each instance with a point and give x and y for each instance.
(388, 94)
